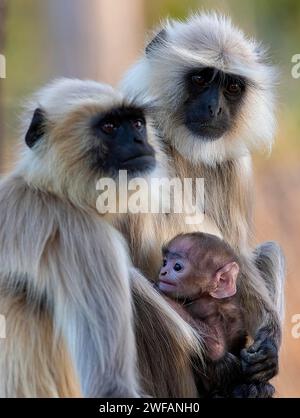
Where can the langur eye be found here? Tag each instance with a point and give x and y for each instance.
(177, 267)
(164, 263)
(234, 89)
(138, 124)
(199, 80)
(109, 127)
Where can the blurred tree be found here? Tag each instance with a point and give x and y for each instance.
(2, 30)
(93, 41)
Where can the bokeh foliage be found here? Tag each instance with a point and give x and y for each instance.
(276, 23)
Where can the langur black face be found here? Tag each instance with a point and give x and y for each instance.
(123, 135)
(105, 141)
(212, 103)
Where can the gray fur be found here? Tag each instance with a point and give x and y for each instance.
(211, 40)
(72, 258)
(270, 260)
(68, 288)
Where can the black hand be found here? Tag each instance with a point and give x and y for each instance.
(260, 360)
(252, 390)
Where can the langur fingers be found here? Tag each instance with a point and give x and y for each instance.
(261, 365)
(260, 372)
(260, 361)
(261, 390)
(266, 350)
(259, 351)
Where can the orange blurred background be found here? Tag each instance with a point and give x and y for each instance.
(99, 39)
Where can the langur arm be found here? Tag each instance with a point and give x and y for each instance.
(260, 360)
(92, 306)
(225, 378)
(69, 261)
(270, 261)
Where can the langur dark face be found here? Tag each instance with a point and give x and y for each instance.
(123, 135)
(106, 141)
(213, 100)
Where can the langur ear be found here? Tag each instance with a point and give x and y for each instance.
(158, 40)
(36, 129)
(226, 281)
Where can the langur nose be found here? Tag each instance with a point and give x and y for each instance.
(163, 273)
(214, 110)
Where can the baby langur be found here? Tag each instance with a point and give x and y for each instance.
(200, 273)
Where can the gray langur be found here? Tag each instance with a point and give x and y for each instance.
(65, 272)
(212, 93)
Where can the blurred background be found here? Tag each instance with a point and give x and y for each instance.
(100, 39)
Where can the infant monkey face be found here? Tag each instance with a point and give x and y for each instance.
(176, 274)
(191, 271)
(175, 277)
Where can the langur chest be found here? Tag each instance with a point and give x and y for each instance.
(224, 323)
(224, 199)
(207, 318)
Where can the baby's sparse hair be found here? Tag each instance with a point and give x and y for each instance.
(209, 250)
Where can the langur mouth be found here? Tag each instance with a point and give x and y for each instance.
(166, 286)
(138, 157)
(206, 131)
(142, 162)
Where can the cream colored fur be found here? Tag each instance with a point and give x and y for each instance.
(210, 39)
(65, 275)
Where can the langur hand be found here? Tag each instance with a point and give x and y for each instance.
(252, 390)
(260, 360)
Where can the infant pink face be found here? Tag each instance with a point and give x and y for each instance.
(191, 270)
(176, 270)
